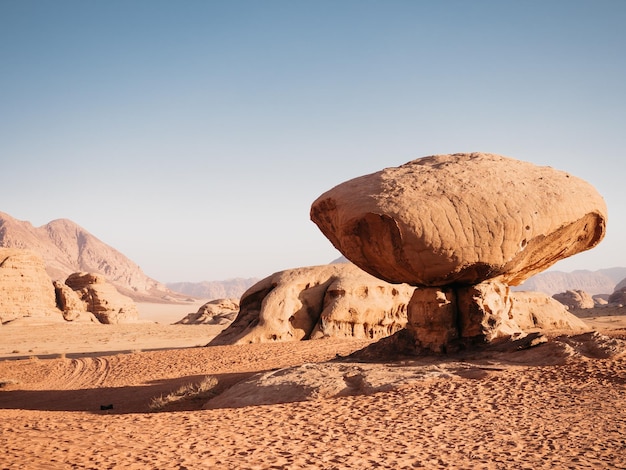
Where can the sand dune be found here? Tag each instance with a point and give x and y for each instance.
(557, 407)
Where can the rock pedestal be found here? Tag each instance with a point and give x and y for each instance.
(441, 318)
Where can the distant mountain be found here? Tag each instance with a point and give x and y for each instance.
(231, 288)
(602, 281)
(67, 248)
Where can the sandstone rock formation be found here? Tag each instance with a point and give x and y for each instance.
(67, 248)
(25, 288)
(338, 300)
(214, 312)
(574, 299)
(462, 228)
(463, 219)
(618, 297)
(102, 299)
(72, 306)
(534, 311)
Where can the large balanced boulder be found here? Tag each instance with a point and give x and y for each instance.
(336, 300)
(26, 290)
(102, 299)
(461, 219)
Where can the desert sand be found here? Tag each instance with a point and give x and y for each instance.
(559, 405)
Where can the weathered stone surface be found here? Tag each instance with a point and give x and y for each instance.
(441, 319)
(536, 311)
(73, 308)
(338, 300)
(442, 316)
(461, 219)
(25, 288)
(433, 317)
(214, 312)
(575, 299)
(618, 297)
(102, 299)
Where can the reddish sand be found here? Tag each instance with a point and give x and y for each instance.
(532, 412)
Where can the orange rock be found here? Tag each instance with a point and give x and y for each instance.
(462, 219)
(26, 290)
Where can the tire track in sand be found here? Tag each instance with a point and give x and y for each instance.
(79, 373)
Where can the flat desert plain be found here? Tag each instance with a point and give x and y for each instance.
(147, 396)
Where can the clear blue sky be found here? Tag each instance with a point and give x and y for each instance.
(193, 135)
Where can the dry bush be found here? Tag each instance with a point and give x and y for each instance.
(191, 391)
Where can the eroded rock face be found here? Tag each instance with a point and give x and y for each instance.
(214, 312)
(575, 299)
(618, 297)
(73, 308)
(26, 290)
(442, 319)
(534, 311)
(338, 300)
(461, 219)
(102, 299)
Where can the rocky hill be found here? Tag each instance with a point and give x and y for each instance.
(228, 289)
(603, 281)
(67, 248)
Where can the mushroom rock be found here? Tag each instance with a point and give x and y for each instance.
(462, 228)
(462, 218)
(335, 300)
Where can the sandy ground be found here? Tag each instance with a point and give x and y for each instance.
(557, 406)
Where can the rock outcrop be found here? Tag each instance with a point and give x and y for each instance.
(618, 297)
(214, 312)
(534, 311)
(575, 299)
(462, 228)
(338, 300)
(462, 219)
(101, 298)
(26, 290)
(72, 306)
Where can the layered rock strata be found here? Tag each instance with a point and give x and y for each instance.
(25, 288)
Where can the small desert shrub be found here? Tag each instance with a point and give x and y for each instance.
(191, 391)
